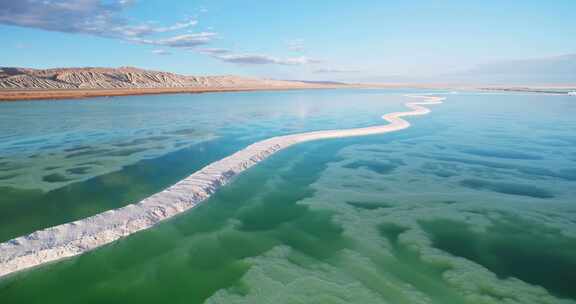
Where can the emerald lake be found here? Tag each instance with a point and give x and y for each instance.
(474, 203)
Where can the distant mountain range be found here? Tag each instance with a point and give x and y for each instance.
(555, 70)
(548, 70)
(126, 78)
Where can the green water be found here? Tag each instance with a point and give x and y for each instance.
(25, 211)
(464, 207)
(54, 171)
(248, 218)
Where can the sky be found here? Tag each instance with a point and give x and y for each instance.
(299, 39)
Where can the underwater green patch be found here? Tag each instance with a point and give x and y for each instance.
(506, 154)
(407, 266)
(368, 205)
(189, 131)
(78, 170)
(126, 152)
(30, 211)
(375, 166)
(8, 176)
(507, 188)
(77, 148)
(512, 247)
(56, 178)
(91, 152)
(194, 255)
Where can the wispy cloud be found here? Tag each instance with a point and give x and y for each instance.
(161, 52)
(21, 45)
(148, 29)
(247, 59)
(105, 18)
(93, 17)
(64, 16)
(230, 56)
(334, 71)
(213, 51)
(256, 59)
(180, 41)
(226, 55)
(299, 60)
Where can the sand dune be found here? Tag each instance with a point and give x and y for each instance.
(83, 235)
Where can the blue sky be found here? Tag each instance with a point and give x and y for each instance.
(298, 39)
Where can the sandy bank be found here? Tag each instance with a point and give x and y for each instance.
(7, 95)
(77, 237)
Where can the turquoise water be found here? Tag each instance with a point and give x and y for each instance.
(473, 204)
(65, 160)
(47, 145)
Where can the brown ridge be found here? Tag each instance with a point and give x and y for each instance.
(23, 83)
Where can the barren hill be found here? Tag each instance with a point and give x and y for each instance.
(124, 78)
(62, 83)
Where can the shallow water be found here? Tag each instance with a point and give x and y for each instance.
(46, 145)
(65, 160)
(473, 204)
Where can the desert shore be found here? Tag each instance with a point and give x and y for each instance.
(560, 90)
(7, 95)
(11, 95)
(65, 83)
(77, 237)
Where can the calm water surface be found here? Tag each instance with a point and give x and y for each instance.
(65, 160)
(473, 204)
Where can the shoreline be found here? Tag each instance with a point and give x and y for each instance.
(14, 95)
(531, 90)
(71, 239)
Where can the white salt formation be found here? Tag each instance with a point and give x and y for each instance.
(77, 237)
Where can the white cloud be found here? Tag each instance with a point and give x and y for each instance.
(104, 18)
(299, 60)
(92, 17)
(213, 51)
(148, 29)
(247, 59)
(256, 59)
(181, 41)
(334, 71)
